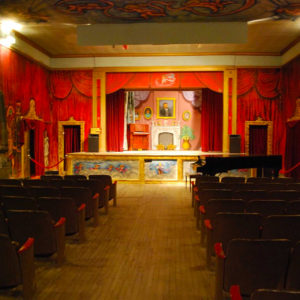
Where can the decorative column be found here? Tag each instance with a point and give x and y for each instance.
(230, 83)
(99, 95)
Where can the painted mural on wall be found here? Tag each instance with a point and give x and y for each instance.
(115, 11)
(13, 125)
(118, 169)
(161, 170)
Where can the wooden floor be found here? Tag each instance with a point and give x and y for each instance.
(146, 248)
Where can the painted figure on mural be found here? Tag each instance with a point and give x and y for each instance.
(11, 137)
(46, 149)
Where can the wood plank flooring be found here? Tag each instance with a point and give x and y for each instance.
(145, 248)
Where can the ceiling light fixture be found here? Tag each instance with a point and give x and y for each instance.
(6, 33)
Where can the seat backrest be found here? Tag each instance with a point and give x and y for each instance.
(75, 177)
(256, 263)
(42, 191)
(284, 180)
(294, 186)
(287, 195)
(282, 227)
(4, 181)
(10, 274)
(252, 194)
(33, 223)
(19, 202)
(106, 178)
(259, 179)
(51, 177)
(264, 294)
(215, 206)
(207, 179)
(34, 182)
(3, 224)
(13, 190)
(208, 194)
(229, 226)
(229, 179)
(293, 274)
(61, 207)
(80, 194)
(293, 207)
(267, 207)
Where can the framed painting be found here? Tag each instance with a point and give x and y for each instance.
(186, 115)
(166, 108)
(148, 113)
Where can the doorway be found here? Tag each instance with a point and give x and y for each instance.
(70, 139)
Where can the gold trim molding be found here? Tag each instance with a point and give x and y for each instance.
(259, 122)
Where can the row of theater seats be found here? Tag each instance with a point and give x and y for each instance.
(255, 232)
(39, 213)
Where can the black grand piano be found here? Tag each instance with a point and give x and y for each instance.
(270, 164)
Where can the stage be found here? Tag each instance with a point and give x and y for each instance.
(136, 166)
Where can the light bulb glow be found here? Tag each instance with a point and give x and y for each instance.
(7, 26)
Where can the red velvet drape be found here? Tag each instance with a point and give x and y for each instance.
(292, 154)
(258, 140)
(20, 81)
(167, 80)
(259, 96)
(71, 139)
(211, 121)
(290, 93)
(115, 120)
(71, 93)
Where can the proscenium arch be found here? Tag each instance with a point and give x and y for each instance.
(99, 95)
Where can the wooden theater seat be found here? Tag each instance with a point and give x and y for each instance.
(267, 207)
(252, 264)
(17, 266)
(228, 226)
(287, 195)
(59, 207)
(49, 236)
(108, 182)
(251, 194)
(16, 182)
(19, 202)
(293, 273)
(282, 227)
(75, 177)
(229, 179)
(259, 179)
(265, 294)
(13, 190)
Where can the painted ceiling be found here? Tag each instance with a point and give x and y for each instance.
(51, 25)
(118, 11)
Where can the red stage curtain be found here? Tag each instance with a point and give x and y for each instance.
(259, 96)
(258, 136)
(115, 120)
(71, 97)
(167, 80)
(117, 81)
(71, 139)
(211, 121)
(292, 153)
